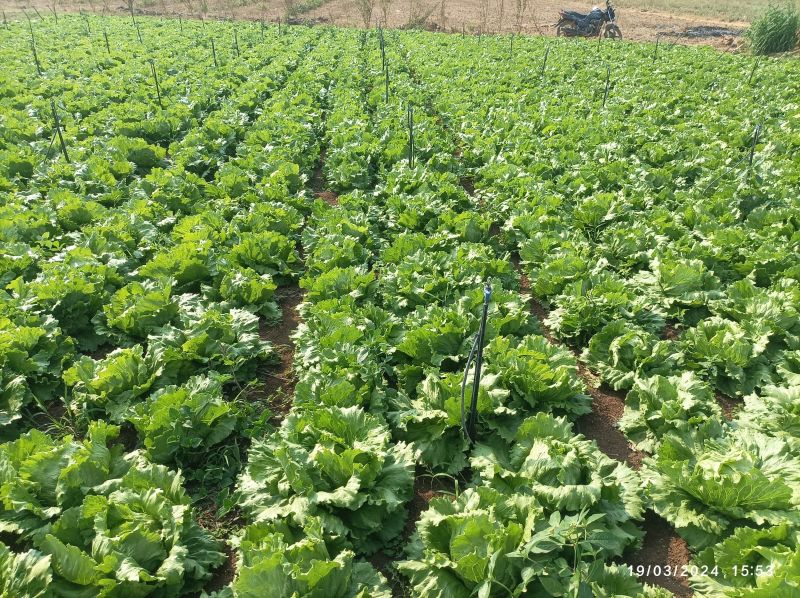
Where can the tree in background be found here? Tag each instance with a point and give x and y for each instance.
(418, 14)
(520, 8)
(365, 9)
(443, 15)
(385, 5)
(500, 13)
(484, 16)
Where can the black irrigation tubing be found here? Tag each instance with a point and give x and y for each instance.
(58, 131)
(33, 49)
(655, 52)
(756, 136)
(50, 147)
(382, 45)
(544, 61)
(155, 78)
(469, 423)
(410, 136)
(753, 72)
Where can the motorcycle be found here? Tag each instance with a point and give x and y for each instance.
(601, 23)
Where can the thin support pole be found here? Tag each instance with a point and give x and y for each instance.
(58, 131)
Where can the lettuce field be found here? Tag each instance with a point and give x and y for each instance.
(242, 267)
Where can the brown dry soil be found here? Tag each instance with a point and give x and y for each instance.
(728, 405)
(662, 547)
(426, 488)
(279, 379)
(637, 24)
(224, 574)
(319, 185)
(465, 15)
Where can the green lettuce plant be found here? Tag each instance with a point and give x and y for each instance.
(705, 487)
(335, 463)
(111, 523)
(659, 405)
(288, 560)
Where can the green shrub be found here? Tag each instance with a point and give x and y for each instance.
(776, 31)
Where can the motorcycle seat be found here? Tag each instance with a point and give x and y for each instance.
(573, 15)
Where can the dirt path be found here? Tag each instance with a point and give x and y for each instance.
(465, 15)
(637, 23)
(279, 379)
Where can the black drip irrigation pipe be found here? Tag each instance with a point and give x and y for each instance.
(469, 421)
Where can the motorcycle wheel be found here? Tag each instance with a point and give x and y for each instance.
(612, 32)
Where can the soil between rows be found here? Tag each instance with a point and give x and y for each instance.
(279, 379)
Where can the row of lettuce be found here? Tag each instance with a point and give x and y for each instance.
(138, 284)
(136, 298)
(394, 277)
(665, 252)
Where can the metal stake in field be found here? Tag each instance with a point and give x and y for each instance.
(608, 83)
(544, 62)
(262, 30)
(33, 48)
(236, 42)
(469, 422)
(756, 136)
(386, 79)
(410, 118)
(214, 53)
(138, 32)
(180, 23)
(108, 47)
(753, 72)
(655, 52)
(58, 131)
(155, 78)
(382, 44)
